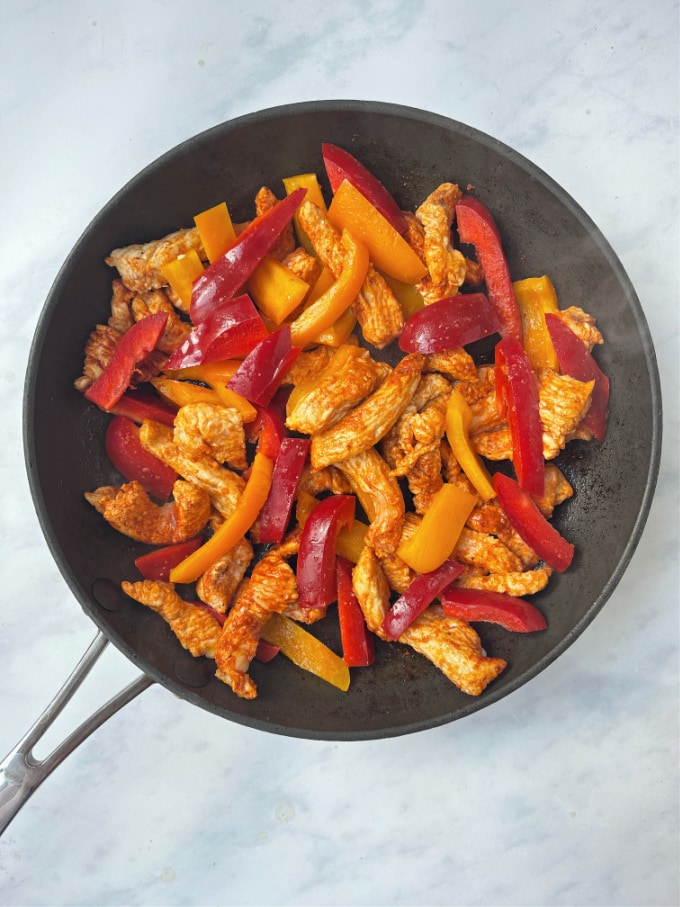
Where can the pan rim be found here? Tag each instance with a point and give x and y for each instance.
(414, 114)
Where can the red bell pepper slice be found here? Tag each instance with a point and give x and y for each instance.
(223, 279)
(517, 397)
(232, 329)
(316, 575)
(133, 347)
(477, 227)
(140, 405)
(265, 651)
(474, 605)
(449, 323)
(576, 361)
(419, 594)
(528, 521)
(358, 643)
(260, 374)
(341, 165)
(125, 451)
(156, 565)
(268, 428)
(288, 467)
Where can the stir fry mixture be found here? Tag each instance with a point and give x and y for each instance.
(284, 473)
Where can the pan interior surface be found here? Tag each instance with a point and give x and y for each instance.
(544, 232)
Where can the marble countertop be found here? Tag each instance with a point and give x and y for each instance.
(565, 792)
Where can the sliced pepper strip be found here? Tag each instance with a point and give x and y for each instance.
(260, 374)
(223, 279)
(139, 405)
(436, 536)
(306, 651)
(277, 291)
(577, 362)
(536, 297)
(458, 418)
(388, 250)
(288, 468)
(420, 593)
(323, 313)
(182, 392)
(132, 348)
(474, 605)
(158, 564)
(310, 182)
(350, 543)
(216, 231)
(477, 226)
(316, 579)
(358, 643)
(181, 274)
(528, 521)
(132, 461)
(234, 527)
(517, 397)
(449, 323)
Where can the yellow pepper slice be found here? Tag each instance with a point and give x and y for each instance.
(388, 250)
(208, 372)
(436, 537)
(340, 359)
(458, 418)
(309, 182)
(216, 231)
(228, 397)
(276, 290)
(536, 297)
(217, 375)
(181, 274)
(350, 542)
(234, 527)
(320, 315)
(340, 331)
(406, 295)
(306, 651)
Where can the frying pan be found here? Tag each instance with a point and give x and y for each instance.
(543, 231)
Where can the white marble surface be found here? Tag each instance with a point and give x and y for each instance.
(564, 793)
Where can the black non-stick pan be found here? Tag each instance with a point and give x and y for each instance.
(544, 232)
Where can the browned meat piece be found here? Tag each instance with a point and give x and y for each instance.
(526, 582)
(425, 480)
(365, 425)
(486, 552)
(457, 363)
(562, 401)
(308, 365)
(445, 264)
(265, 200)
(139, 265)
(222, 485)
(305, 266)
(131, 511)
(556, 490)
(487, 517)
(450, 644)
(335, 393)
(209, 430)
(98, 352)
(328, 479)
(121, 317)
(219, 583)
(415, 235)
(380, 496)
(195, 628)
(271, 589)
(397, 572)
(419, 429)
(151, 303)
(582, 324)
(378, 311)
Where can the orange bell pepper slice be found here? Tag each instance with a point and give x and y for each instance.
(340, 331)
(306, 651)
(436, 537)
(183, 392)
(350, 542)
(181, 274)
(222, 370)
(323, 313)
(388, 250)
(276, 290)
(536, 298)
(234, 527)
(458, 418)
(216, 231)
(309, 182)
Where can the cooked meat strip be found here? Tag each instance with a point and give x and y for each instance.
(218, 585)
(139, 264)
(209, 430)
(526, 582)
(445, 264)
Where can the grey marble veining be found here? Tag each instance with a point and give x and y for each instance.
(564, 793)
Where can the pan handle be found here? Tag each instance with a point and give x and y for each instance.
(20, 772)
